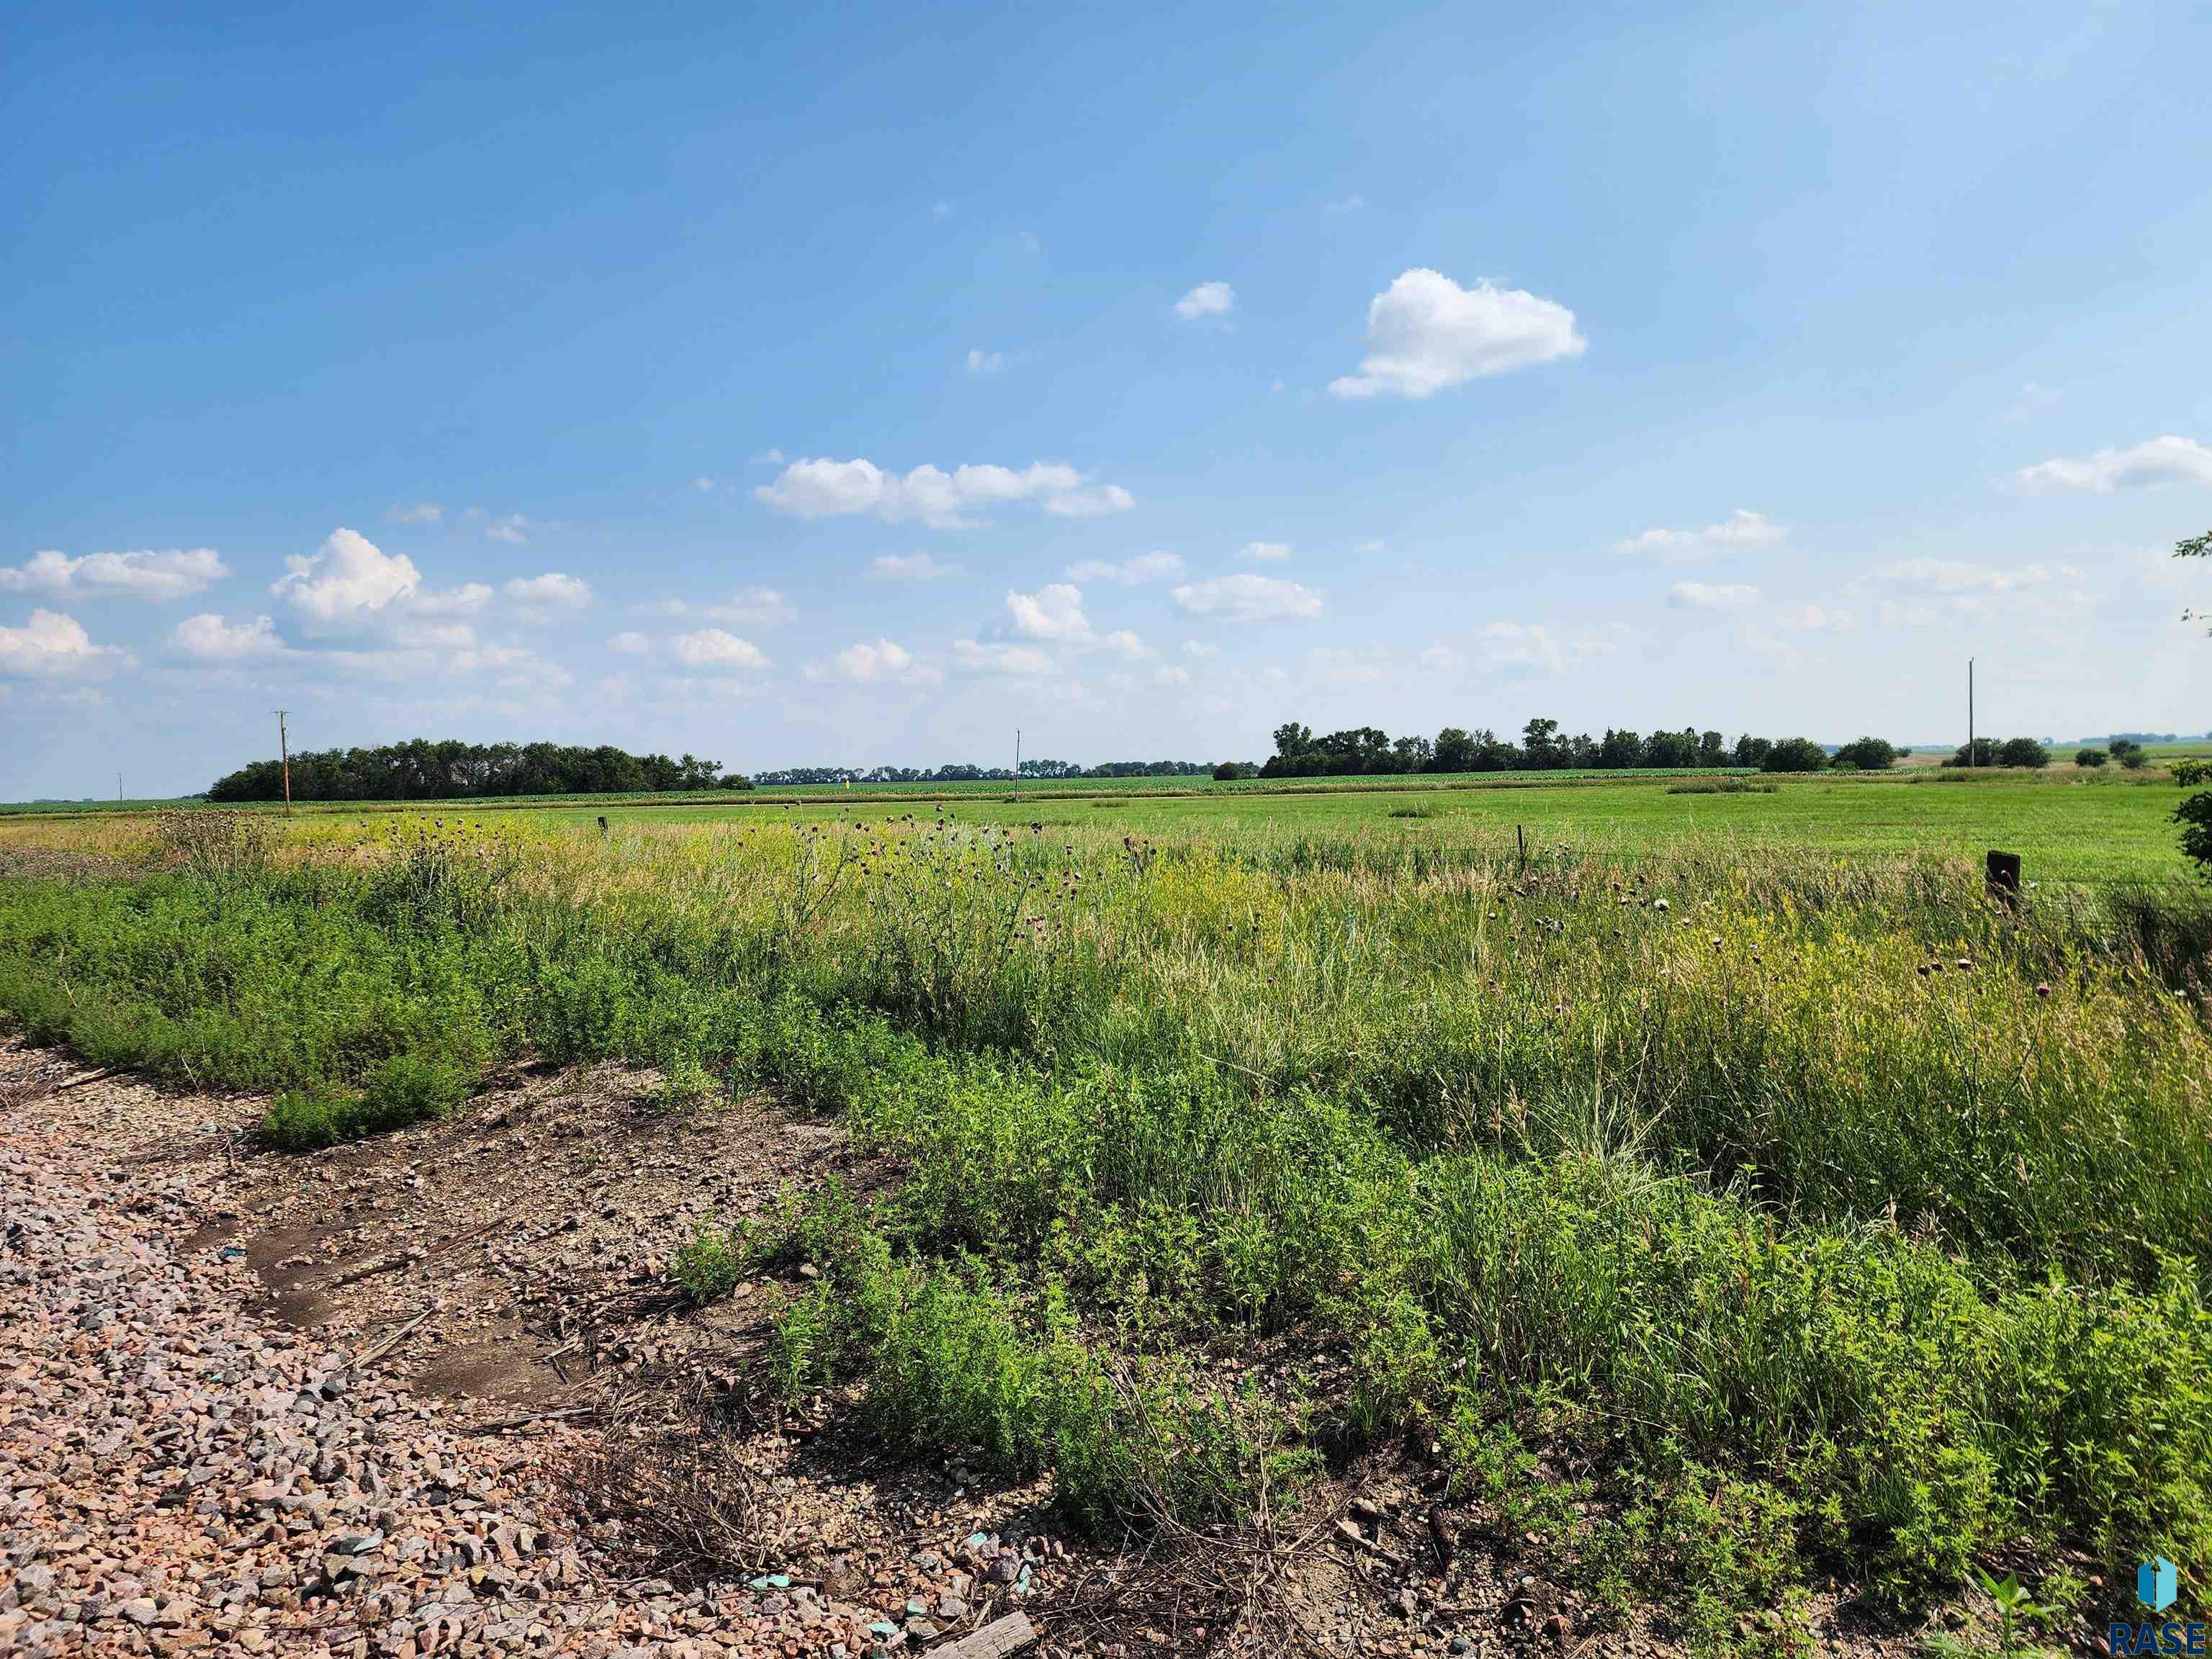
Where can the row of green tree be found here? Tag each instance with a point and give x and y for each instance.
(452, 770)
(1299, 753)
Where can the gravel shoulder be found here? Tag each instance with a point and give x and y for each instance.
(434, 1394)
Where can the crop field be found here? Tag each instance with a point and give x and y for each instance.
(1719, 1193)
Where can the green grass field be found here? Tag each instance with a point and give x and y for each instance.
(1729, 1199)
(2066, 830)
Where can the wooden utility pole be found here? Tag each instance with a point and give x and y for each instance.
(284, 750)
(1017, 758)
(1973, 755)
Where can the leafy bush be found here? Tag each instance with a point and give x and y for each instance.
(2023, 751)
(1868, 754)
(2194, 817)
(1794, 755)
(2091, 757)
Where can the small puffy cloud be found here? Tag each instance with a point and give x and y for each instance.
(1245, 597)
(1425, 333)
(512, 529)
(157, 574)
(1055, 611)
(1207, 300)
(1129, 573)
(766, 458)
(1200, 648)
(1264, 552)
(417, 513)
(1741, 529)
(703, 484)
(972, 657)
(1123, 643)
(884, 662)
(822, 489)
(985, 362)
(54, 646)
(348, 576)
(1814, 619)
(630, 643)
(552, 591)
(1169, 674)
(716, 649)
(1438, 659)
(910, 568)
(209, 638)
(2165, 461)
(1711, 596)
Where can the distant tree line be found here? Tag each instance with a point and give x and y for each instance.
(832, 775)
(452, 770)
(1299, 753)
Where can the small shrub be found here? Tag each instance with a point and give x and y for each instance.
(2091, 757)
(406, 1088)
(2023, 751)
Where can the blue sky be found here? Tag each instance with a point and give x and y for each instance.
(517, 373)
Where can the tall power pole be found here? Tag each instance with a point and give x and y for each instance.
(1017, 758)
(1973, 755)
(284, 750)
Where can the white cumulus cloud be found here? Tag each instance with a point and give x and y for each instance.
(715, 648)
(209, 638)
(2165, 460)
(823, 489)
(1055, 611)
(1207, 300)
(1264, 552)
(52, 645)
(1742, 528)
(630, 643)
(1245, 597)
(884, 662)
(155, 573)
(985, 362)
(1425, 333)
(347, 575)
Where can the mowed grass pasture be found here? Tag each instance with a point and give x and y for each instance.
(1730, 1200)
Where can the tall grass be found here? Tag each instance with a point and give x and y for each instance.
(1825, 1206)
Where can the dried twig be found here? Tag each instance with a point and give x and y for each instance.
(386, 1344)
